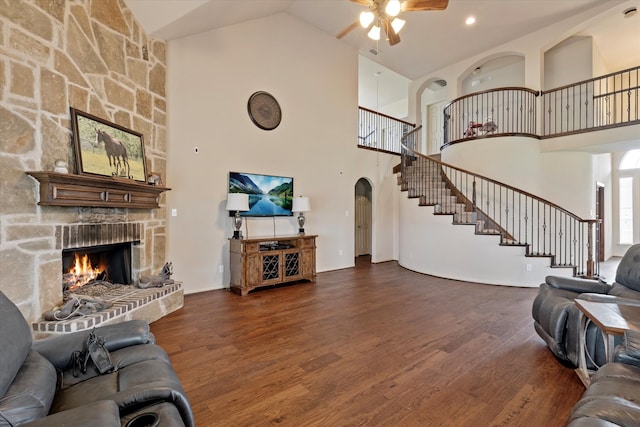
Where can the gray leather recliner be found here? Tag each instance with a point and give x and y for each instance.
(613, 398)
(38, 388)
(557, 318)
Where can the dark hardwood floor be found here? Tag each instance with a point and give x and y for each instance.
(376, 345)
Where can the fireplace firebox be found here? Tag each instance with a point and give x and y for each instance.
(111, 263)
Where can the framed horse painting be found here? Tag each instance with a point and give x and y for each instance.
(107, 149)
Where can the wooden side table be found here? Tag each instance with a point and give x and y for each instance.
(612, 319)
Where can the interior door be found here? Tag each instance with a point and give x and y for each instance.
(363, 217)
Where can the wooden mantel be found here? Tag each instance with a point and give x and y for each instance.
(62, 189)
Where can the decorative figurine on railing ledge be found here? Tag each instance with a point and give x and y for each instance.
(158, 280)
(471, 129)
(489, 126)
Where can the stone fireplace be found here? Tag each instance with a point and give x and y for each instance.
(95, 57)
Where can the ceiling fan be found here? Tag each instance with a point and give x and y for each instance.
(383, 15)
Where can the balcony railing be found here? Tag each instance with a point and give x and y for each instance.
(380, 132)
(520, 218)
(504, 111)
(603, 102)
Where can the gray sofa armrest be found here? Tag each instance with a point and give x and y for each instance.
(629, 351)
(103, 413)
(611, 299)
(577, 285)
(58, 349)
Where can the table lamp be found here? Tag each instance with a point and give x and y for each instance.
(237, 202)
(301, 205)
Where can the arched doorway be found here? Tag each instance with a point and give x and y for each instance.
(363, 216)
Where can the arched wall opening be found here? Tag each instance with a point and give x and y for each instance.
(431, 100)
(363, 218)
(505, 70)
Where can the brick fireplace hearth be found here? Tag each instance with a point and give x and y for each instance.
(129, 302)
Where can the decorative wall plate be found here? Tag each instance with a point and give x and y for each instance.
(264, 110)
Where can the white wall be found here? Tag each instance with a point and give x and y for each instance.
(507, 71)
(314, 78)
(568, 179)
(431, 244)
(568, 62)
(511, 160)
(563, 178)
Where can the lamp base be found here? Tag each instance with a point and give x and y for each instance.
(237, 234)
(301, 231)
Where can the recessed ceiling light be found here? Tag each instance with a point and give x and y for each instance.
(470, 20)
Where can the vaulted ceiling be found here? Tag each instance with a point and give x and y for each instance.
(430, 39)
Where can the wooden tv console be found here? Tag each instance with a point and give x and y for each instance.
(267, 261)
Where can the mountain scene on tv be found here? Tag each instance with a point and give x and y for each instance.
(268, 195)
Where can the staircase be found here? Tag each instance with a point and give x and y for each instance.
(424, 180)
(493, 208)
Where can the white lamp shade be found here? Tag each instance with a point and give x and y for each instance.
(393, 7)
(374, 33)
(301, 204)
(366, 18)
(397, 24)
(237, 202)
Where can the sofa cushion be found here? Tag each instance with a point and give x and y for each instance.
(30, 395)
(15, 330)
(628, 273)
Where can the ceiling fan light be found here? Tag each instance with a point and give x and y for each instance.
(397, 24)
(374, 33)
(393, 7)
(366, 18)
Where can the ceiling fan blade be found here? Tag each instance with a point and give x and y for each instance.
(394, 38)
(347, 30)
(414, 5)
(361, 2)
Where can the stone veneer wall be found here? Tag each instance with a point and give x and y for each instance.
(54, 54)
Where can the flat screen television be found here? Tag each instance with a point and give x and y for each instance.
(269, 195)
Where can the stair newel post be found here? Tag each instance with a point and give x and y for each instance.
(590, 239)
(473, 194)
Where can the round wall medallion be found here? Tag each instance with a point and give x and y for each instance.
(264, 110)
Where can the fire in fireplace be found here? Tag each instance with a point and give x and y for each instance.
(81, 266)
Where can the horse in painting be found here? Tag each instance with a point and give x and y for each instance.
(116, 153)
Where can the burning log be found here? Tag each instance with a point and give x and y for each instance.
(81, 273)
(73, 281)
